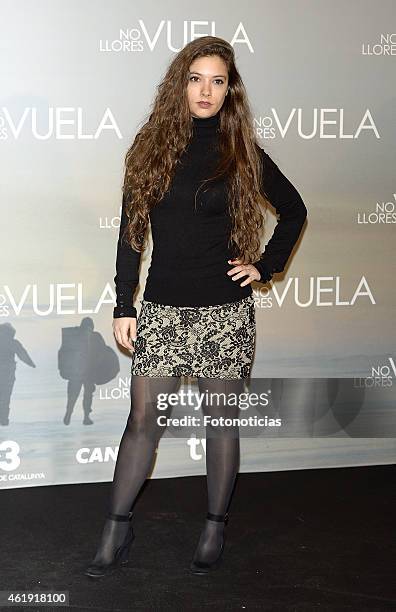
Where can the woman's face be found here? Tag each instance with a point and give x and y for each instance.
(207, 81)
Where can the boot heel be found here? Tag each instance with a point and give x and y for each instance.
(201, 568)
(121, 555)
(124, 551)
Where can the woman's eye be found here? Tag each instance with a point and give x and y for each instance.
(219, 81)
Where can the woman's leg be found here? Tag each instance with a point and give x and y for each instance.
(222, 459)
(135, 456)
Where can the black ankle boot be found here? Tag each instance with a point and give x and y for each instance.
(201, 567)
(97, 570)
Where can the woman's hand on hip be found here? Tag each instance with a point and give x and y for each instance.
(240, 270)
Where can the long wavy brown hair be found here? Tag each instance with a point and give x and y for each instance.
(151, 160)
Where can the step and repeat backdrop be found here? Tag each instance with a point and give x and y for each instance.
(77, 81)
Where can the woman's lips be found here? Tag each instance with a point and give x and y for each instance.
(204, 104)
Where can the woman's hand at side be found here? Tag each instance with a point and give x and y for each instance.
(240, 270)
(124, 329)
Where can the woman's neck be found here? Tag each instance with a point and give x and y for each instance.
(211, 122)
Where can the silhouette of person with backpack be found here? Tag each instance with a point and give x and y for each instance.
(84, 360)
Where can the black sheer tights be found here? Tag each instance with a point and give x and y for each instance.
(222, 458)
(138, 446)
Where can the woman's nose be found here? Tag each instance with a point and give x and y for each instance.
(206, 91)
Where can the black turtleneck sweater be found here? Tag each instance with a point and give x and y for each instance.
(189, 261)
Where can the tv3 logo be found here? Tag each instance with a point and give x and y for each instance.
(9, 455)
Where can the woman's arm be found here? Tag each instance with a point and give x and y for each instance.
(127, 273)
(292, 213)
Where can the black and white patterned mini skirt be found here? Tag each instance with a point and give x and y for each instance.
(204, 341)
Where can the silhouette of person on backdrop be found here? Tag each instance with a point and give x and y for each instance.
(84, 359)
(76, 360)
(9, 347)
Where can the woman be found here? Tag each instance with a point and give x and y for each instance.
(196, 173)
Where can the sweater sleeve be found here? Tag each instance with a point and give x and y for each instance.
(127, 272)
(292, 213)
